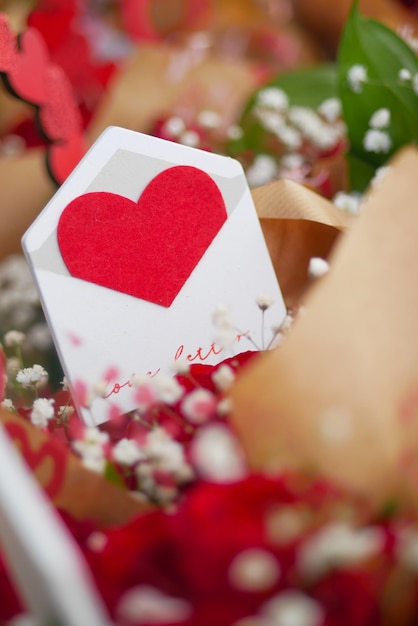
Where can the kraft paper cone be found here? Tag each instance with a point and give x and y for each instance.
(340, 396)
(297, 224)
(71, 487)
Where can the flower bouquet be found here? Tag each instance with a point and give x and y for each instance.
(276, 487)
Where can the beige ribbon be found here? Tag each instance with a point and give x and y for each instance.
(297, 224)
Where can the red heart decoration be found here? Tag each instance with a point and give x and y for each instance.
(149, 248)
(34, 458)
(8, 47)
(28, 76)
(62, 157)
(60, 117)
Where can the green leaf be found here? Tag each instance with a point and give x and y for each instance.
(360, 172)
(112, 475)
(307, 87)
(372, 45)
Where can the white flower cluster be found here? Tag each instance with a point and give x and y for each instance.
(35, 376)
(217, 455)
(92, 449)
(293, 126)
(163, 468)
(322, 134)
(152, 391)
(176, 129)
(377, 139)
(288, 608)
(349, 202)
(356, 77)
(42, 411)
(225, 331)
(338, 544)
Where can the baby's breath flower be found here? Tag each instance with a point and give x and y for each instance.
(174, 126)
(349, 202)
(169, 390)
(91, 448)
(145, 393)
(225, 337)
(264, 301)
(224, 407)
(254, 570)
(96, 541)
(357, 76)
(313, 127)
(223, 378)
(234, 132)
(64, 384)
(317, 267)
(14, 338)
(153, 606)
(293, 607)
(7, 404)
(42, 411)
(287, 323)
(100, 388)
(216, 454)
(338, 545)
(198, 406)
(273, 98)
(127, 452)
(164, 452)
(380, 118)
(377, 141)
(263, 170)
(330, 109)
(190, 138)
(180, 366)
(209, 119)
(221, 317)
(29, 376)
(292, 161)
(290, 137)
(379, 175)
(65, 411)
(404, 75)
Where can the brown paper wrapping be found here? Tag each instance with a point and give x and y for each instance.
(71, 487)
(297, 225)
(340, 396)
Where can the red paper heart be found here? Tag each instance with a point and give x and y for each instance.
(8, 47)
(60, 117)
(62, 157)
(27, 78)
(149, 248)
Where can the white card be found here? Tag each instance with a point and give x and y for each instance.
(45, 562)
(176, 229)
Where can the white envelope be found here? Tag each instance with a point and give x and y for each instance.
(102, 334)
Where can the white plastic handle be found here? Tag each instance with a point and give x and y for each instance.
(45, 563)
